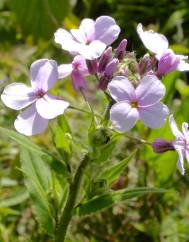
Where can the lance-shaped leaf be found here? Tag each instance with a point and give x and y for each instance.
(107, 200)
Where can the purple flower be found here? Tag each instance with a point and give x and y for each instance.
(42, 106)
(181, 143)
(160, 146)
(121, 50)
(140, 103)
(77, 69)
(91, 39)
(158, 44)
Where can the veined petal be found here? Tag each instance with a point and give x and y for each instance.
(87, 26)
(17, 96)
(79, 35)
(176, 132)
(106, 30)
(123, 116)
(92, 51)
(156, 43)
(154, 116)
(29, 122)
(121, 89)
(149, 91)
(180, 162)
(44, 73)
(64, 70)
(50, 107)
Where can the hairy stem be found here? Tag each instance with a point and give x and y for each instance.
(67, 212)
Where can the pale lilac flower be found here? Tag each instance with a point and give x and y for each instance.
(77, 69)
(91, 39)
(158, 44)
(181, 143)
(141, 103)
(42, 106)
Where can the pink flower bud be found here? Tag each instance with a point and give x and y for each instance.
(160, 146)
(78, 80)
(167, 63)
(105, 58)
(92, 66)
(145, 65)
(121, 49)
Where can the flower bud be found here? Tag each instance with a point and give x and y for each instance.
(167, 63)
(78, 80)
(108, 73)
(92, 66)
(121, 50)
(105, 58)
(160, 146)
(145, 65)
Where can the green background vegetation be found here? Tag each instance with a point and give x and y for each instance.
(26, 34)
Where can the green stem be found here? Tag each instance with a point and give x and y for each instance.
(67, 212)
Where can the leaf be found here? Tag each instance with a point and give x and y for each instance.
(40, 18)
(16, 198)
(38, 182)
(107, 200)
(114, 172)
(23, 141)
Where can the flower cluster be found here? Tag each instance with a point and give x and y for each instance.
(133, 86)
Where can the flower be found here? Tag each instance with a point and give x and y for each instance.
(77, 69)
(91, 39)
(158, 44)
(42, 106)
(181, 143)
(140, 103)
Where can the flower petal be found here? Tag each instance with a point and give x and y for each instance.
(154, 116)
(66, 40)
(149, 91)
(156, 43)
(180, 162)
(50, 107)
(176, 132)
(123, 116)
(17, 96)
(121, 89)
(79, 35)
(106, 30)
(64, 70)
(185, 131)
(87, 26)
(29, 122)
(44, 73)
(183, 66)
(80, 64)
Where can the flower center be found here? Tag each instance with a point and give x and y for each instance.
(40, 93)
(134, 104)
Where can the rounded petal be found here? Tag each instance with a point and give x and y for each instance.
(17, 96)
(80, 64)
(44, 73)
(64, 70)
(121, 89)
(29, 122)
(176, 132)
(149, 91)
(156, 43)
(106, 30)
(123, 116)
(154, 116)
(50, 107)
(92, 51)
(79, 35)
(66, 40)
(87, 26)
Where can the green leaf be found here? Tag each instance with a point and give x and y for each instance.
(16, 198)
(114, 172)
(107, 200)
(38, 182)
(22, 140)
(40, 18)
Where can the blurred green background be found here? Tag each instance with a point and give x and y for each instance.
(26, 34)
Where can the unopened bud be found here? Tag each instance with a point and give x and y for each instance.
(145, 65)
(78, 80)
(121, 50)
(160, 146)
(92, 66)
(105, 58)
